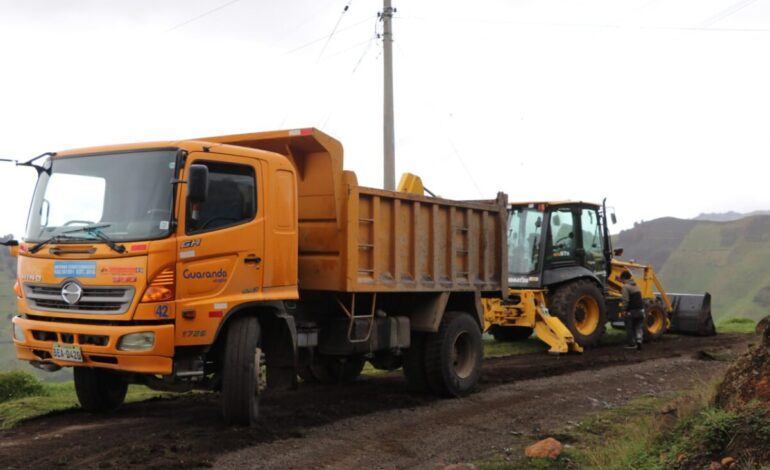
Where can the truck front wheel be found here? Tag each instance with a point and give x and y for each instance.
(453, 355)
(241, 371)
(99, 390)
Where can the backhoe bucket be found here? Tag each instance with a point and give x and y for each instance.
(691, 314)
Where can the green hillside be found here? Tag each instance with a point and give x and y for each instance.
(7, 308)
(731, 260)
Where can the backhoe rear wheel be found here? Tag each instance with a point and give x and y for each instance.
(655, 321)
(99, 390)
(580, 306)
(241, 371)
(510, 333)
(453, 355)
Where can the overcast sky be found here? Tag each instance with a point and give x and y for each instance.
(662, 106)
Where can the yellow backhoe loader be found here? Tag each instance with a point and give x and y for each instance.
(564, 280)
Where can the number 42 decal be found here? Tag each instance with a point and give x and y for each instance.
(161, 311)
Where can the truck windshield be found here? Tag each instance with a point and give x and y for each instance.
(129, 195)
(524, 224)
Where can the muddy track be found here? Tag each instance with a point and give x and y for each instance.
(187, 431)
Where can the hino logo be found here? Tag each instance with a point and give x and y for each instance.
(71, 293)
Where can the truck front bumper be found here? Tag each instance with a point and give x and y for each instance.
(97, 343)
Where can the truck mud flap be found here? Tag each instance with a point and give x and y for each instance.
(691, 314)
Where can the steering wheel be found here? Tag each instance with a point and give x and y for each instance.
(84, 222)
(206, 223)
(558, 242)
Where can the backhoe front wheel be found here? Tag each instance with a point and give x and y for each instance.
(241, 371)
(99, 390)
(453, 355)
(580, 306)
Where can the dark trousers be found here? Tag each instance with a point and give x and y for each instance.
(634, 324)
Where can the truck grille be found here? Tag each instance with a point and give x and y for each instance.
(102, 300)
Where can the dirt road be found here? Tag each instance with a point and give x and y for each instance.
(372, 423)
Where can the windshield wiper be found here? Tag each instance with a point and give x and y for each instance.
(96, 232)
(54, 239)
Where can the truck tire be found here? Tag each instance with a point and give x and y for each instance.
(99, 390)
(580, 306)
(453, 355)
(414, 364)
(655, 321)
(240, 372)
(510, 333)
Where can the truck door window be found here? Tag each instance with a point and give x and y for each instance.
(232, 198)
(562, 234)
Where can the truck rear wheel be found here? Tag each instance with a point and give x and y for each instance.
(453, 355)
(99, 390)
(414, 364)
(654, 321)
(580, 306)
(241, 371)
(510, 333)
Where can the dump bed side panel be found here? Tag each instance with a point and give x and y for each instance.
(402, 242)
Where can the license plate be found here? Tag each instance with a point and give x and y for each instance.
(67, 352)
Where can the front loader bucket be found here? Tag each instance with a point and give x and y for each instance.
(691, 314)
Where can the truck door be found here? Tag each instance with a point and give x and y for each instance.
(221, 245)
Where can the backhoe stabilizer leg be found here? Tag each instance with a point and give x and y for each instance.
(552, 331)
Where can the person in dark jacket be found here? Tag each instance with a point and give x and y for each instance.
(634, 308)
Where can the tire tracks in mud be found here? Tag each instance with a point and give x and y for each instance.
(187, 431)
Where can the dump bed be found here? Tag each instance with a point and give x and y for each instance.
(358, 239)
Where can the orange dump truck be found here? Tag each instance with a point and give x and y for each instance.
(239, 262)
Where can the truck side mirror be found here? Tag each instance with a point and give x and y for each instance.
(198, 183)
(13, 245)
(614, 219)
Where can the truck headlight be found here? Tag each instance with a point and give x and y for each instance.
(137, 341)
(18, 333)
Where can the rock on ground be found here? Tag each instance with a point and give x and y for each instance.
(547, 448)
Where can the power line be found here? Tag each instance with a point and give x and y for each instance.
(447, 135)
(334, 30)
(314, 41)
(353, 72)
(225, 5)
(734, 8)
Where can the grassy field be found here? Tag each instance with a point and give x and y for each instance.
(29, 398)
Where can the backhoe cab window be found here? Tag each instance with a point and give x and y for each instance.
(232, 198)
(562, 234)
(524, 228)
(592, 237)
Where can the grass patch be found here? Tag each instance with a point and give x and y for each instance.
(737, 325)
(49, 398)
(17, 384)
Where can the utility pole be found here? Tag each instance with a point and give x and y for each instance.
(389, 132)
